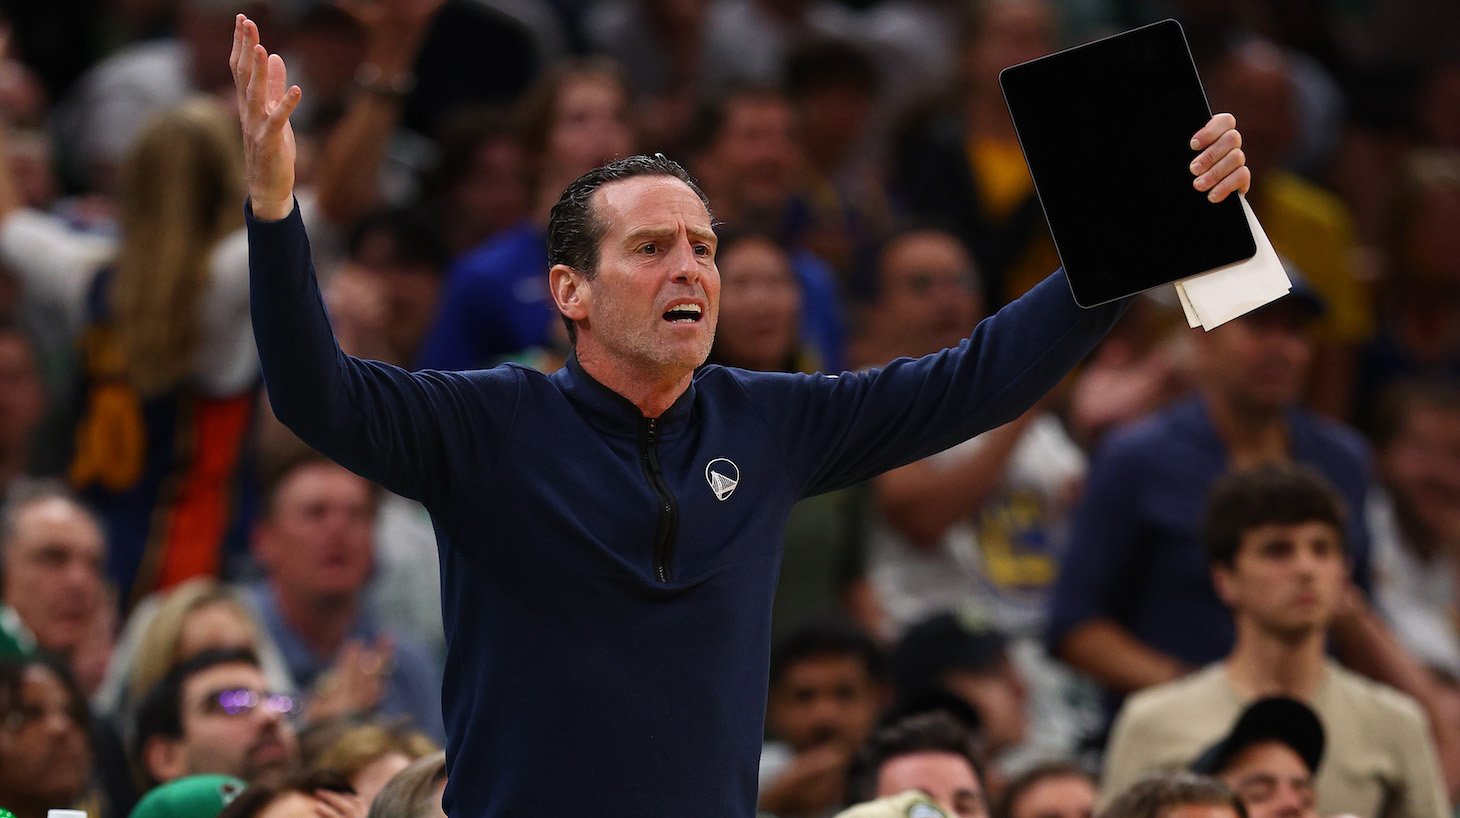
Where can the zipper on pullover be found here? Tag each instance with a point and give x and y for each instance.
(668, 508)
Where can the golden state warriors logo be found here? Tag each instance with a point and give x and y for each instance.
(723, 476)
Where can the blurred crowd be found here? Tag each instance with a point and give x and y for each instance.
(1235, 553)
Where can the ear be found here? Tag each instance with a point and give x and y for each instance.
(571, 292)
(1225, 584)
(165, 759)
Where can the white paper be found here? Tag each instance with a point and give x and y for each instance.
(1217, 296)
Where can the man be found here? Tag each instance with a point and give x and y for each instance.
(929, 752)
(1274, 539)
(214, 714)
(1416, 518)
(980, 526)
(1269, 758)
(609, 533)
(747, 159)
(1134, 605)
(51, 555)
(314, 543)
(826, 689)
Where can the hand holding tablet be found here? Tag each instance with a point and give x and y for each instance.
(1130, 104)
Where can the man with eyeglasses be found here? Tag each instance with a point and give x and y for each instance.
(215, 714)
(979, 522)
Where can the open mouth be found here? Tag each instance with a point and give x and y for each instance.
(684, 314)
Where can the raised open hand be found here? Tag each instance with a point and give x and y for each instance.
(265, 101)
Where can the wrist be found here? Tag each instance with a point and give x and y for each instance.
(270, 210)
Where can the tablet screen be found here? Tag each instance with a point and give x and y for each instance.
(1106, 129)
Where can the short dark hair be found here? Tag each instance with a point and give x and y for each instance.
(415, 237)
(827, 637)
(255, 799)
(1398, 403)
(930, 732)
(1269, 494)
(160, 712)
(12, 680)
(574, 228)
(1152, 796)
(1033, 777)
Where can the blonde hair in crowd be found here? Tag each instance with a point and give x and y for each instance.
(181, 191)
(158, 651)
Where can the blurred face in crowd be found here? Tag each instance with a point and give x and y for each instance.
(53, 571)
(927, 299)
(755, 154)
(1421, 468)
(493, 191)
(222, 734)
(214, 626)
(316, 542)
(999, 697)
(1058, 796)
(410, 288)
(759, 307)
(1272, 781)
(824, 700)
(22, 397)
(590, 126)
(1287, 580)
(1011, 32)
(947, 778)
(45, 759)
(652, 307)
(1259, 363)
(1256, 86)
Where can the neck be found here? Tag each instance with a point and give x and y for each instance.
(1252, 436)
(653, 392)
(324, 621)
(1267, 664)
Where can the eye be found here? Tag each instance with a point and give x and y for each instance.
(649, 249)
(704, 250)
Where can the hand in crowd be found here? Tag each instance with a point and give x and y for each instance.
(812, 780)
(265, 102)
(329, 804)
(356, 681)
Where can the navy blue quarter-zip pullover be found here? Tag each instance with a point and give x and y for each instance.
(607, 578)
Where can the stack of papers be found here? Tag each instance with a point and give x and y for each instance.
(1215, 297)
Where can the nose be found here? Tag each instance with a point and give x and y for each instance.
(686, 264)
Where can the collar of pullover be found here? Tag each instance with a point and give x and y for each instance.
(611, 412)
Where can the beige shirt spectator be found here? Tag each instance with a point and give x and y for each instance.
(1379, 761)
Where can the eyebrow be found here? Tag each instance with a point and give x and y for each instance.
(660, 231)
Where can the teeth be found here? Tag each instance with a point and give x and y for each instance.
(685, 314)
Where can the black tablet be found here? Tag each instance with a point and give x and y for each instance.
(1106, 129)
